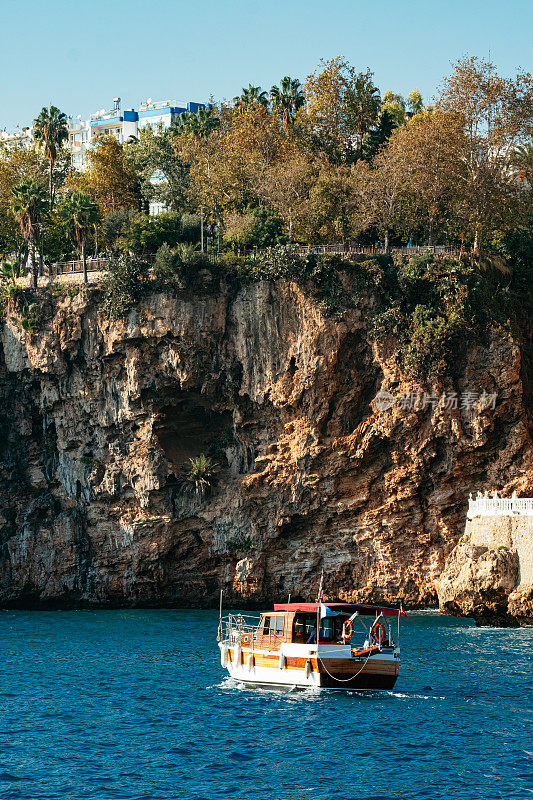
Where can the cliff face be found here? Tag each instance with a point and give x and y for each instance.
(98, 417)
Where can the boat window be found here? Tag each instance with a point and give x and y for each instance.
(327, 627)
(299, 627)
(310, 624)
(279, 625)
(266, 625)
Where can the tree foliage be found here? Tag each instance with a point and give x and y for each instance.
(29, 203)
(342, 106)
(497, 114)
(331, 161)
(110, 179)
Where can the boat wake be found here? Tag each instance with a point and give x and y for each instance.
(229, 683)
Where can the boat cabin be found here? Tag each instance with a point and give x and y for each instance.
(296, 623)
(299, 628)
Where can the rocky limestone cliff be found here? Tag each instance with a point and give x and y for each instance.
(98, 417)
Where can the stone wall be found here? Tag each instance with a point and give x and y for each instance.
(489, 575)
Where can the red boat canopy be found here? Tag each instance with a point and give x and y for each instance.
(348, 608)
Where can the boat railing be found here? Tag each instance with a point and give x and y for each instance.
(234, 626)
(245, 630)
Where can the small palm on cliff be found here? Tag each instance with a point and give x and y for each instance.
(199, 476)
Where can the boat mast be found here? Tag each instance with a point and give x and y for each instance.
(220, 618)
(318, 602)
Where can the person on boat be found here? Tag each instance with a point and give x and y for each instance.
(312, 638)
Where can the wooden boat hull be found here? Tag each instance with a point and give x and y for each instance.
(306, 671)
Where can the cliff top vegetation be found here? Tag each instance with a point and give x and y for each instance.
(331, 160)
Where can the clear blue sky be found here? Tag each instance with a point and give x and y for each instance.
(81, 55)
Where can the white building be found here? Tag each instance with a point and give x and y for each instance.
(22, 136)
(121, 124)
(163, 113)
(79, 136)
(115, 122)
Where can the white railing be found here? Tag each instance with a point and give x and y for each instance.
(484, 506)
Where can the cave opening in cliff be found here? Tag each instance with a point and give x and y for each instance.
(186, 426)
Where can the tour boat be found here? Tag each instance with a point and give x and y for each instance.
(280, 648)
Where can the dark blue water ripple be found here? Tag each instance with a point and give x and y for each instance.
(133, 705)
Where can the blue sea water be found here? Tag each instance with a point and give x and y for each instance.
(134, 705)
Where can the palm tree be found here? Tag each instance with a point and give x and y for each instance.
(200, 124)
(80, 214)
(50, 131)
(287, 98)
(251, 95)
(28, 204)
(199, 476)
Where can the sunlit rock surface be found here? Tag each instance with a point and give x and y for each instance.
(97, 419)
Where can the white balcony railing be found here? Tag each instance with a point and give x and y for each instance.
(484, 506)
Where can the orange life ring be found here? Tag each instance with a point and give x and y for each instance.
(379, 632)
(347, 629)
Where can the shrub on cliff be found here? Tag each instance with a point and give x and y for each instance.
(434, 307)
(9, 289)
(31, 317)
(283, 261)
(199, 476)
(185, 267)
(166, 264)
(126, 281)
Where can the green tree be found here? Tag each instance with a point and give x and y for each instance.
(28, 205)
(415, 104)
(201, 124)
(190, 228)
(115, 227)
(497, 115)
(50, 131)
(394, 104)
(365, 103)
(80, 214)
(146, 234)
(379, 135)
(342, 107)
(164, 176)
(251, 95)
(260, 227)
(287, 99)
